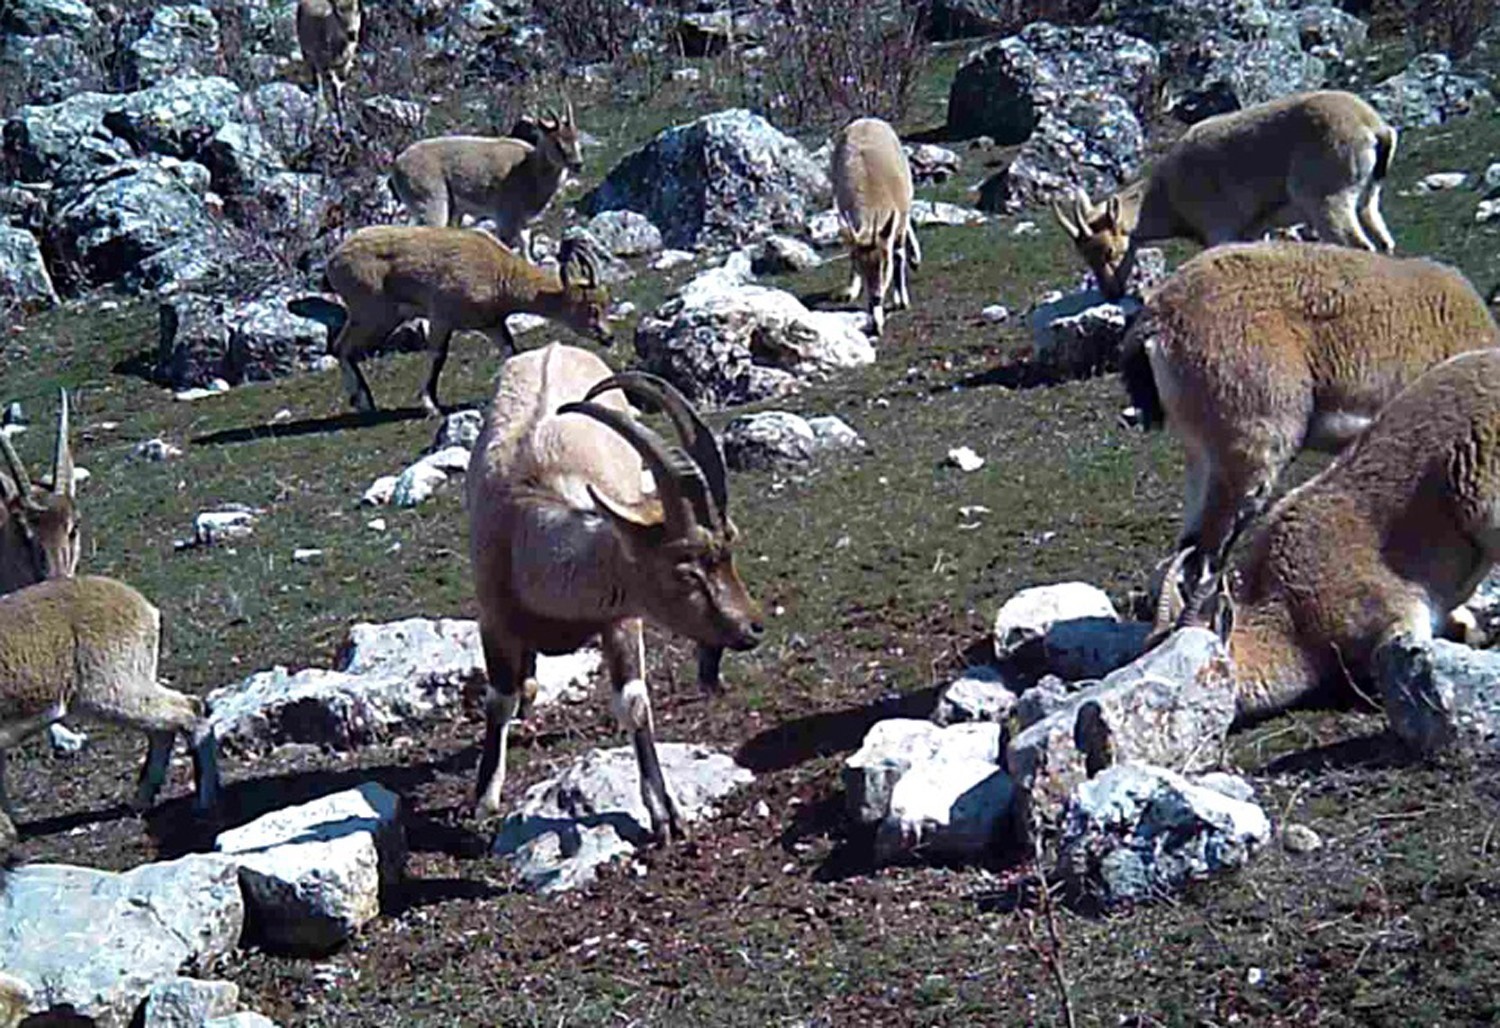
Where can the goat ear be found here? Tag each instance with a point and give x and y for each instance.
(630, 519)
(1071, 227)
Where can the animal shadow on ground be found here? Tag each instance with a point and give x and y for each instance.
(820, 735)
(1377, 751)
(311, 426)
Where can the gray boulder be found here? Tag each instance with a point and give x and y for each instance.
(48, 69)
(723, 179)
(388, 675)
(724, 341)
(894, 746)
(1089, 139)
(782, 439)
(1023, 621)
(1427, 92)
(147, 226)
(243, 1019)
(1136, 833)
(592, 813)
(1002, 90)
(188, 1002)
(179, 39)
(1329, 32)
(780, 255)
(461, 428)
(176, 117)
(202, 338)
(625, 233)
(1047, 697)
(1079, 648)
(240, 158)
(92, 944)
(981, 693)
(24, 279)
(948, 807)
(1223, 55)
(931, 163)
(1172, 706)
(1440, 694)
(313, 873)
(287, 116)
(46, 17)
(64, 141)
(1080, 334)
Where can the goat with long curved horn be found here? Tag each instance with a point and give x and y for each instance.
(38, 524)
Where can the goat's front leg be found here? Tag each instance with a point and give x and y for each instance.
(709, 660)
(512, 685)
(625, 655)
(154, 770)
(438, 334)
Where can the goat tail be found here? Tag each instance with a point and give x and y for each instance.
(1136, 374)
(1385, 149)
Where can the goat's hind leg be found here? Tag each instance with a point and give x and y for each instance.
(512, 687)
(624, 653)
(438, 335)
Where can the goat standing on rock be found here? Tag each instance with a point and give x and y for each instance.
(456, 278)
(328, 33)
(38, 524)
(510, 180)
(1315, 157)
(89, 646)
(873, 191)
(566, 545)
(1381, 546)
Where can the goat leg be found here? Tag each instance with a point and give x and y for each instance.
(154, 770)
(624, 653)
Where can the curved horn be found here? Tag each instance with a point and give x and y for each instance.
(17, 470)
(672, 468)
(62, 454)
(568, 111)
(1171, 603)
(588, 261)
(696, 436)
(565, 251)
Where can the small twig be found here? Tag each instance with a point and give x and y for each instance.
(1051, 955)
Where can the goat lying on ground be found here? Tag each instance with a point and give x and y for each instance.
(88, 646)
(1252, 352)
(38, 524)
(1384, 543)
(457, 279)
(566, 545)
(873, 191)
(1315, 157)
(510, 180)
(328, 33)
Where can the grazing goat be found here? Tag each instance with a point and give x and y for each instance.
(38, 524)
(88, 646)
(1318, 157)
(872, 189)
(1254, 351)
(566, 545)
(507, 179)
(456, 278)
(1383, 543)
(328, 33)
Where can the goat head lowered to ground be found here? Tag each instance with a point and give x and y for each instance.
(1315, 157)
(88, 646)
(38, 523)
(1252, 352)
(456, 278)
(1382, 544)
(873, 191)
(509, 180)
(566, 545)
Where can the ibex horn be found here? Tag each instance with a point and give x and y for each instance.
(62, 454)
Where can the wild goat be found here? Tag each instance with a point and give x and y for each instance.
(88, 646)
(507, 179)
(38, 523)
(872, 189)
(458, 279)
(566, 545)
(1318, 157)
(1252, 352)
(328, 33)
(1385, 542)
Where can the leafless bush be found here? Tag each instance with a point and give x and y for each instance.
(832, 59)
(1011, 16)
(1452, 26)
(594, 30)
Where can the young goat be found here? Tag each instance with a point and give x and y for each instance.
(1252, 352)
(88, 646)
(1318, 157)
(38, 524)
(510, 180)
(872, 189)
(457, 279)
(1384, 543)
(328, 33)
(566, 545)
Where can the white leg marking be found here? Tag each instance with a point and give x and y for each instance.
(633, 706)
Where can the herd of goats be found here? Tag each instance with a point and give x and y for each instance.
(1249, 353)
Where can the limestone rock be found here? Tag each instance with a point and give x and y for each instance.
(188, 1002)
(981, 693)
(1025, 618)
(782, 439)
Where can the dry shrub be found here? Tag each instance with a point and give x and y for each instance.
(1452, 26)
(1011, 16)
(830, 60)
(594, 30)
